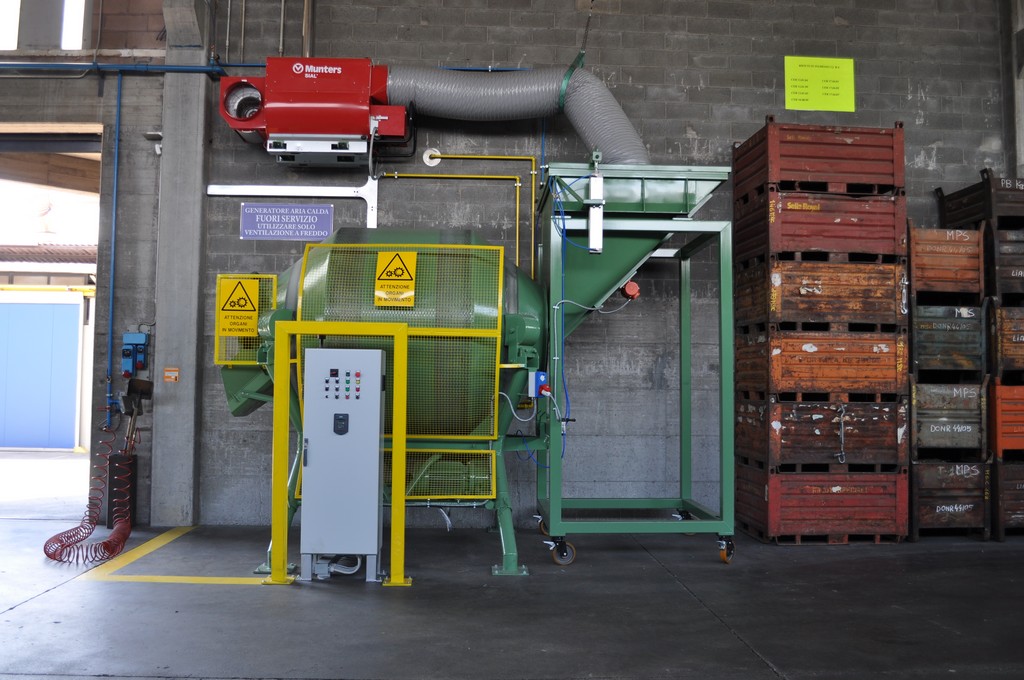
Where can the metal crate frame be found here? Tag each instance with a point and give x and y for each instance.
(628, 233)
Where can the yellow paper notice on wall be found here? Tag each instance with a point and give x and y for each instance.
(820, 84)
(395, 280)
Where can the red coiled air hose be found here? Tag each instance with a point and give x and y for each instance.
(68, 546)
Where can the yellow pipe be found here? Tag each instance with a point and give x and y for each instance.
(533, 193)
(439, 175)
(516, 178)
(284, 331)
(88, 291)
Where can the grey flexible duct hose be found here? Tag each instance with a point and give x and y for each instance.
(601, 122)
(515, 95)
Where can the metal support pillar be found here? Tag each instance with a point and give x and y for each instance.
(180, 263)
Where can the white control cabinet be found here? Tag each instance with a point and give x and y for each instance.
(341, 467)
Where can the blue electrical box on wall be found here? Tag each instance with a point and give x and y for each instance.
(134, 354)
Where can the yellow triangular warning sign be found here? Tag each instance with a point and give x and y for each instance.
(396, 270)
(239, 301)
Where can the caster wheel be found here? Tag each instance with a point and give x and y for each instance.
(542, 528)
(568, 558)
(726, 550)
(683, 516)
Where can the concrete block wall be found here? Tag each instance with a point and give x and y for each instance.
(128, 24)
(694, 76)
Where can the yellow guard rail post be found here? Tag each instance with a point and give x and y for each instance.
(514, 178)
(284, 334)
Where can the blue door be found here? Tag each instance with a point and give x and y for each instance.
(39, 352)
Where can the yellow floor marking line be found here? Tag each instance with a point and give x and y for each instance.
(107, 570)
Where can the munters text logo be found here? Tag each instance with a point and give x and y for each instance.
(312, 71)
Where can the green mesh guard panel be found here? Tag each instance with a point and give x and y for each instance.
(445, 474)
(454, 328)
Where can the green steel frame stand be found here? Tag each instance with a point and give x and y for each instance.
(501, 503)
(642, 207)
(510, 565)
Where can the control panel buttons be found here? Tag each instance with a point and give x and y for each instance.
(351, 378)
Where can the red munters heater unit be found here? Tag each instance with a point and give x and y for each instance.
(315, 112)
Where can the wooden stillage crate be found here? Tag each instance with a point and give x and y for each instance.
(774, 362)
(950, 416)
(947, 261)
(1006, 420)
(768, 221)
(822, 436)
(830, 507)
(829, 296)
(988, 200)
(1009, 497)
(1008, 343)
(1006, 272)
(949, 339)
(950, 495)
(820, 158)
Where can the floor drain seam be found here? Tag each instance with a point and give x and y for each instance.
(38, 595)
(774, 669)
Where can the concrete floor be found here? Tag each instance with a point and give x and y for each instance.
(630, 607)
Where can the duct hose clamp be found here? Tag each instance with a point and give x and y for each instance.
(567, 77)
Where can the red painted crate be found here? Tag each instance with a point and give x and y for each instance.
(1009, 497)
(822, 436)
(828, 507)
(989, 200)
(947, 495)
(835, 294)
(947, 261)
(768, 221)
(1006, 419)
(781, 361)
(826, 159)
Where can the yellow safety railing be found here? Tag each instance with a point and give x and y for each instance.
(429, 418)
(533, 194)
(516, 179)
(284, 363)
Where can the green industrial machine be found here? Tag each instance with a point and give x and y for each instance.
(478, 329)
(475, 331)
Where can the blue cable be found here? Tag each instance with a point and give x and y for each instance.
(560, 206)
(561, 351)
(529, 453)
